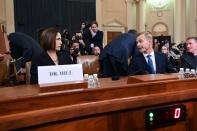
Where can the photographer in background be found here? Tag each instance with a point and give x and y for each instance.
(174, 51)
(82, 44)
(95, 37)
(182, 47)
(65, 40)
(86, 31)
(96, 51)
(83, 26)
(74, 51)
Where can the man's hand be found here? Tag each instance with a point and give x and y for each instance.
(91, 31)
(82, 42)
(21, 71)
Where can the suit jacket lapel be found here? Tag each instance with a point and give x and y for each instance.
(143, 62)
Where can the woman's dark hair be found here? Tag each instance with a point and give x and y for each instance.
(48, 38)
(94, 22)
(83, 22)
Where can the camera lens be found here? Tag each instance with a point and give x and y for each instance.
(75, 51)
(78, 37)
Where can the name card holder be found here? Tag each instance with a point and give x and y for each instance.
(44, 88)
(59, 73)
(150, 78)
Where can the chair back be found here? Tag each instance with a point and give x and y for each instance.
(7, 65)
(4, 42)
(28, 74)
(90, 64)
(7, 71)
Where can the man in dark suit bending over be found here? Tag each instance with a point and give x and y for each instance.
(115, 57)
(23, 48)
(148, 61)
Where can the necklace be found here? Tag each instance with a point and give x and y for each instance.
(53, 57)
(55, 60)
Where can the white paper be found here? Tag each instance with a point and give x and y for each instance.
(60, 73)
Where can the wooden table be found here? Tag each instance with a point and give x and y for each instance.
(114, 106)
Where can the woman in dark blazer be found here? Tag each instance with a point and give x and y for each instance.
(95, 37)
(51, 55)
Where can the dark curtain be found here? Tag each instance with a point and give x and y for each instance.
(32, 15)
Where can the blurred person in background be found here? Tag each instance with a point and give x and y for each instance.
(83, 27)
(95, 37)
(82, 43)
(74, 51)
(165, 50)
(189, 58)
(96, 51)
(174, 51)
(182, 47)
(156, 45)
(65, 40)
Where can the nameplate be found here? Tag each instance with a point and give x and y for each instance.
(151, 78)
(63, 86)
(60, 73)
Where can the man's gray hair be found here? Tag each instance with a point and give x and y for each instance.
(147, 34)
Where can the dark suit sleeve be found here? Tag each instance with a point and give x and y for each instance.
(136, 71)
(188, 61)
(22, 46)
(138, 65)
(26, 56)
(132, 68)
(34, 70)
(169, 67)
(39, 60)
(184, 63)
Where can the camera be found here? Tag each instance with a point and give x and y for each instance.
(181, 46)
(75, 51)
(78, 37)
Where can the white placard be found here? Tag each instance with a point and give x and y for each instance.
(60, 73)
